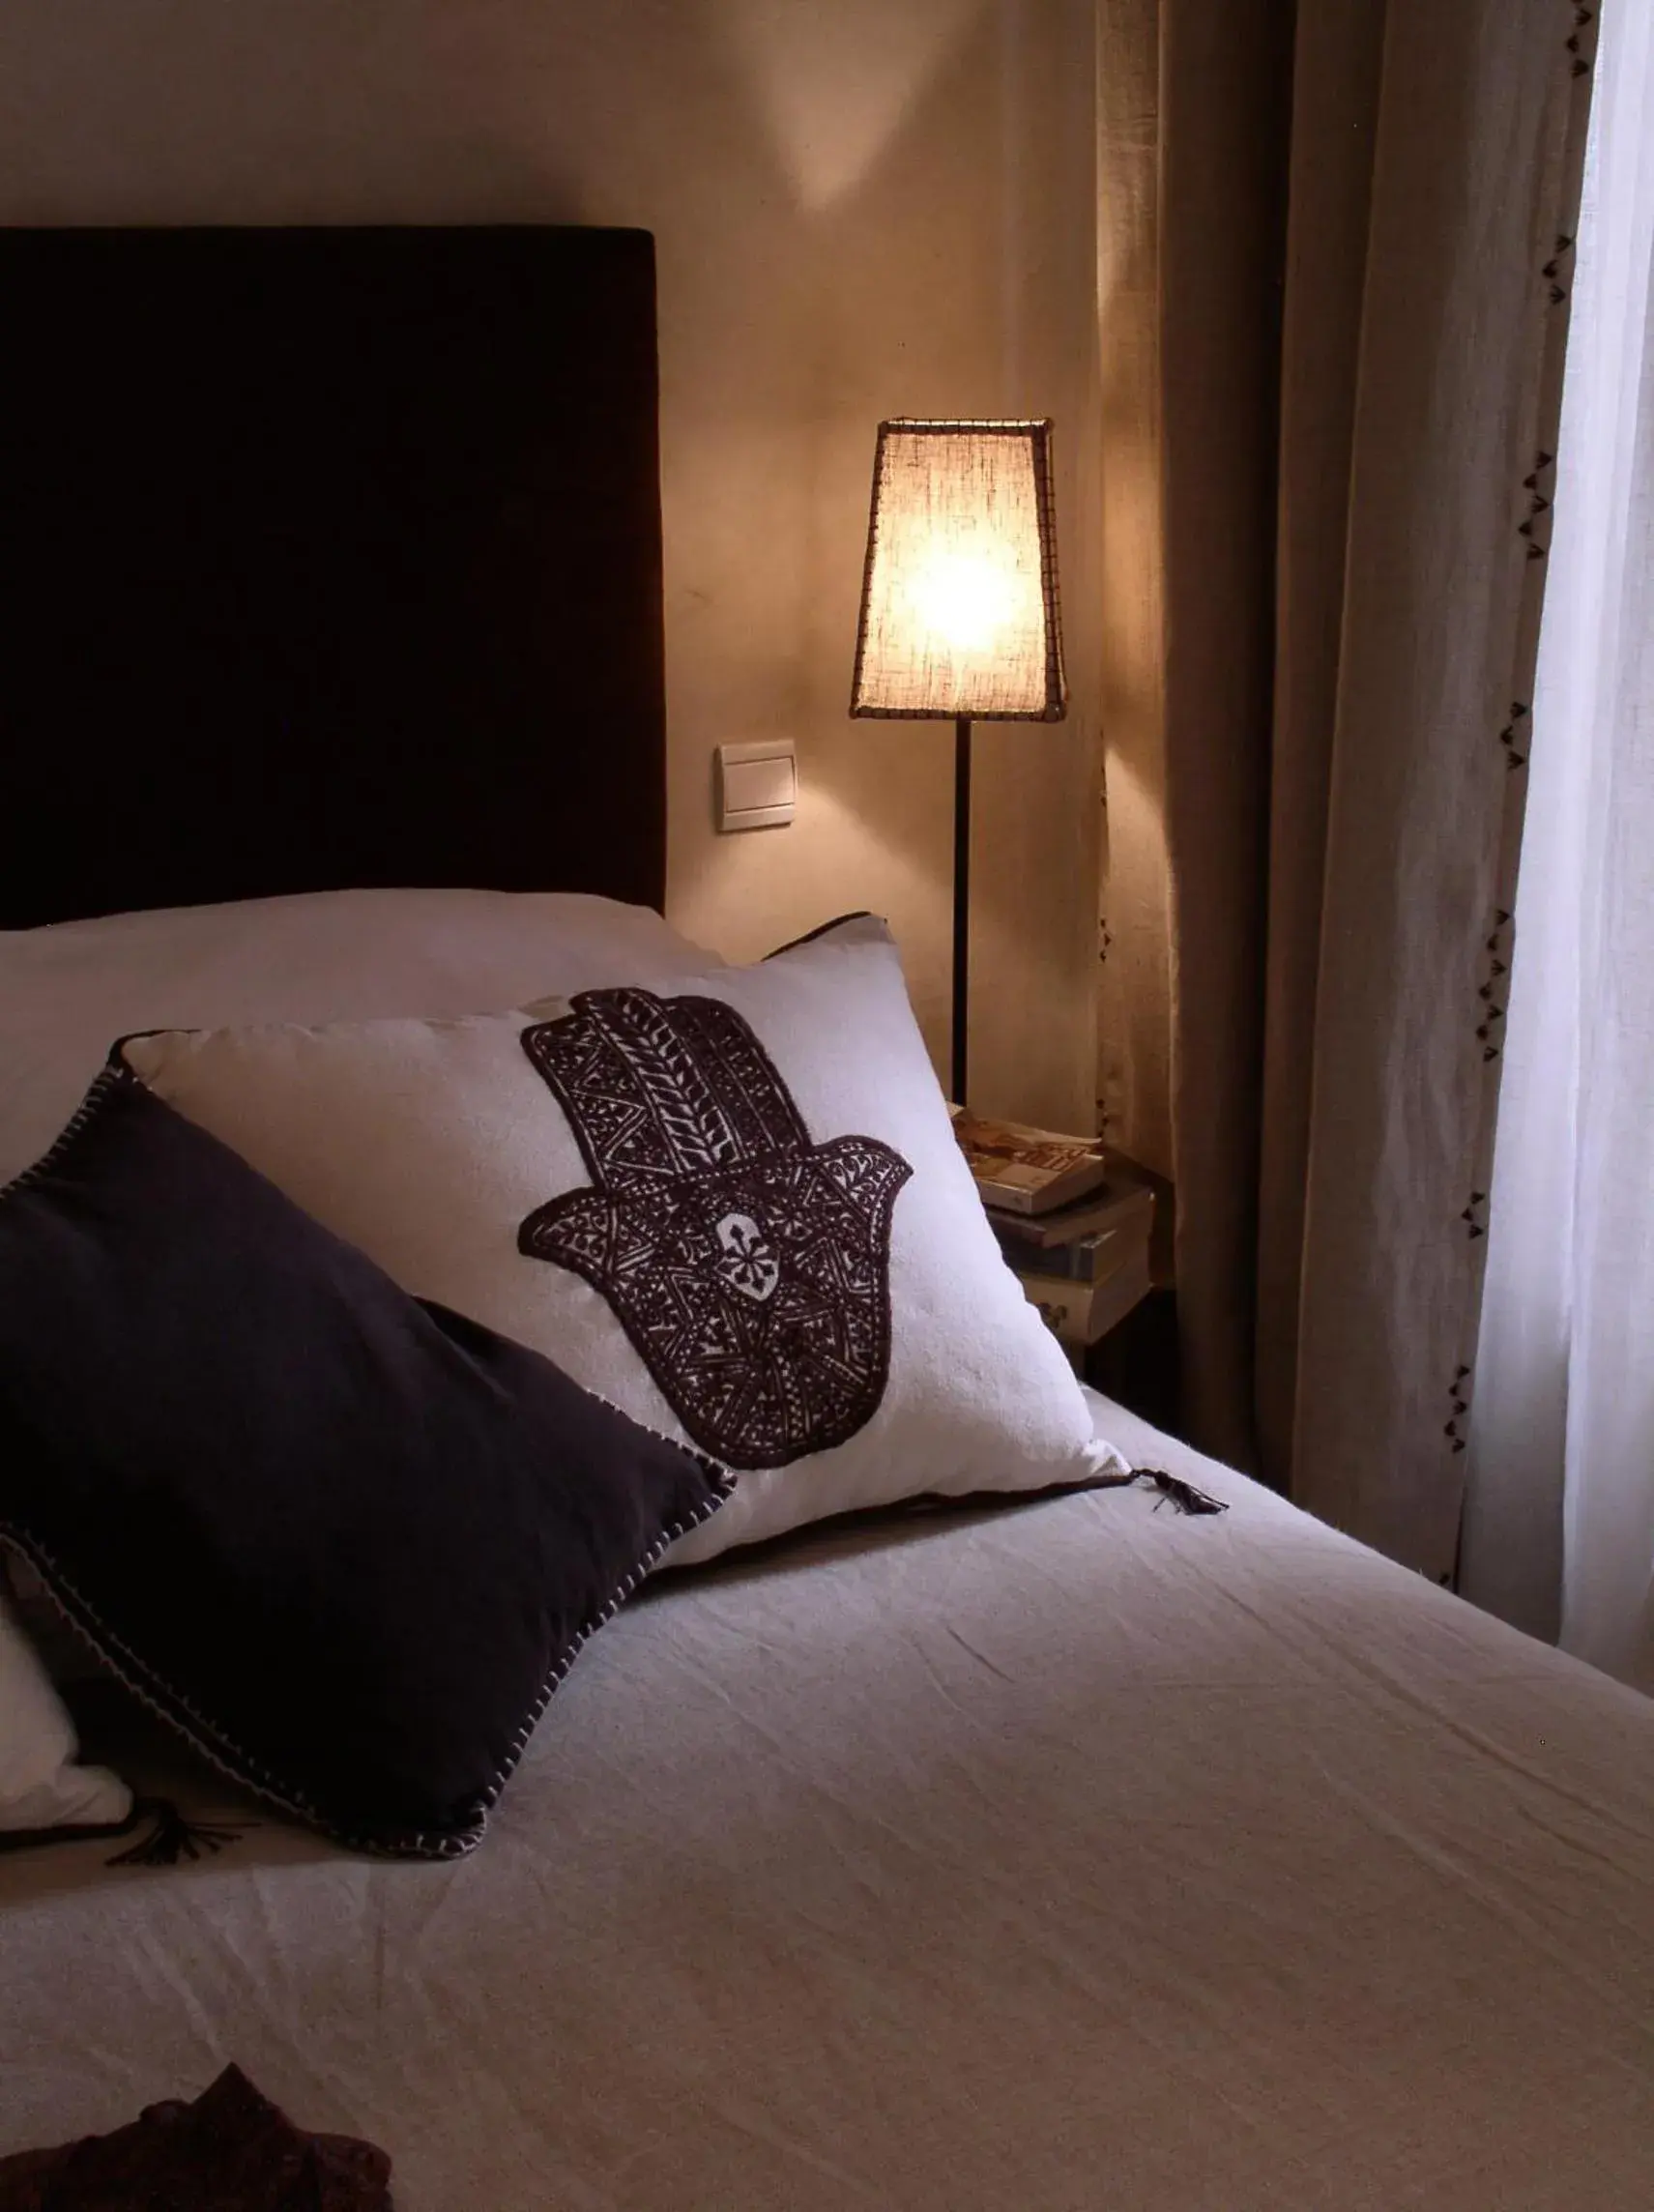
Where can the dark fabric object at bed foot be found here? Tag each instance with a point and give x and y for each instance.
(232, 2150)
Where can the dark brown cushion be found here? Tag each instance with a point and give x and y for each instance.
(346, 1541)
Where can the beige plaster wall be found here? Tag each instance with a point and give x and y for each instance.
(862, 208)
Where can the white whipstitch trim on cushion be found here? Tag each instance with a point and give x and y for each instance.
(110, 1076)
(166, 1703)
(238, 1767)
(198, 1731)
(716, 1467)
(723, 1485)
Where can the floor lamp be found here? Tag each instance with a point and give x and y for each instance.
(959, 612)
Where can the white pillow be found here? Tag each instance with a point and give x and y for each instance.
(42, 1785)
(326, 956)
(729, 1201)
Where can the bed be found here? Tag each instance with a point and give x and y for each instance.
(1054, 1850)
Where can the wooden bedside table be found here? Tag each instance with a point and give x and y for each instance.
(1100, 1260)
(1136, 1361)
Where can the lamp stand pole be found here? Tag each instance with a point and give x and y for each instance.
(961, 902)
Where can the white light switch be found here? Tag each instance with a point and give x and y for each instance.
(758, 784)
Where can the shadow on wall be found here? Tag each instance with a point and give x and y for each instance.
(873, 207)
(835, 86)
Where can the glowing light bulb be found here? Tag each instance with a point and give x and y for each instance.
(964, 598)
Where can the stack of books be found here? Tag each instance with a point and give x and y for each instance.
(1073, 1224)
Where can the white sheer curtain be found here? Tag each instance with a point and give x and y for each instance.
(1559, 1521)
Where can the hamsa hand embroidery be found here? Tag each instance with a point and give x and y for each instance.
(749, 1266)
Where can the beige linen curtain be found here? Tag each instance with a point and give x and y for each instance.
(1333, 289)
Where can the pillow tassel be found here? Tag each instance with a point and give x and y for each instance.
(1182, 1495)
(172, 1838)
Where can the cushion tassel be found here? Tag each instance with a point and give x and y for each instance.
(172, 1837)
(1182, 1495)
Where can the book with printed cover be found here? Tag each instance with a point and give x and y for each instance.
(1026, 1171)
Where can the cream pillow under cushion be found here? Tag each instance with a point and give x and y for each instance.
(730, 1202)
(319, 956)
(43, 1784)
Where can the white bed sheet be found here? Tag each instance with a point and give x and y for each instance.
(1070, 1854)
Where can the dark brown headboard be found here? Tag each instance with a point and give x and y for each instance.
(327, 558)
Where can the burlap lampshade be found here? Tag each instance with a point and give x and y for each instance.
(959, 610)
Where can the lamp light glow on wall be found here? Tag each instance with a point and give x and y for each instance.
(959, 609)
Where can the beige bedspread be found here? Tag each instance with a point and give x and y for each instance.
(1070, 1855)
